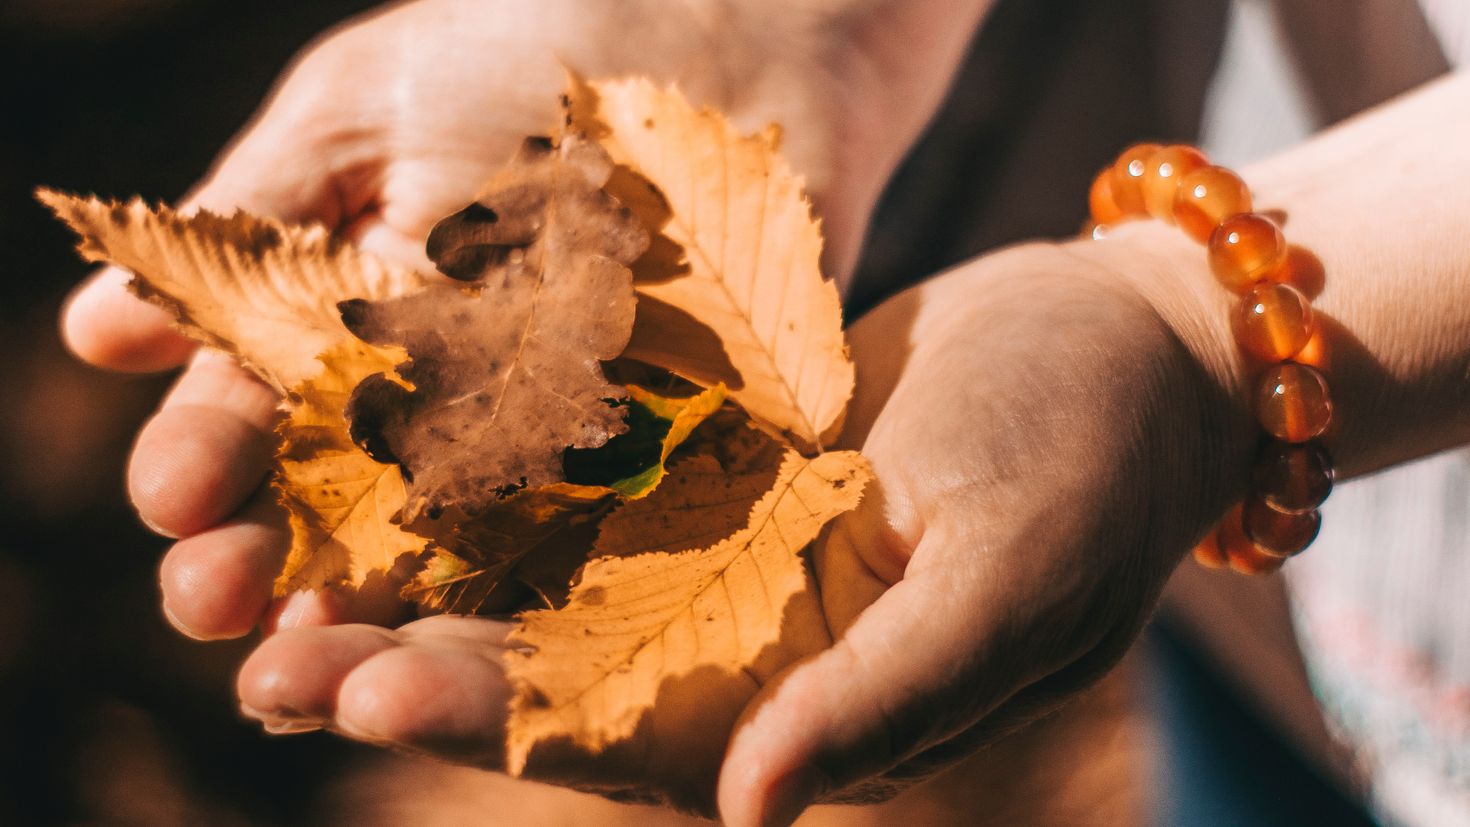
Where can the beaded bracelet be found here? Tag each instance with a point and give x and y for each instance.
(1274, 324)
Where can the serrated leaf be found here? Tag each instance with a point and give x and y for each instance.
(737, 254)
(260, 289)
(696, 576)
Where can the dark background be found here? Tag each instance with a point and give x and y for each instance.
(109, 717)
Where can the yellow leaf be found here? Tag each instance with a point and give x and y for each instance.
(261, 289)
(341, 502)
(696, 576)
(738, 255)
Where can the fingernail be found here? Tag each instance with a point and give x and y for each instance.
(149, 524)
(293, 613)
(179, 625)
(291, 727)
(790, 796)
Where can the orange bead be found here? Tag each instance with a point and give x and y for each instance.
(1244, 555)
(1245, 249)
(1206, 197)
(1280, 533)
(1162, 174)
(1100, 199)
(1292, 477)
(1127, 184)
(1209, 554)
(1292, 402)
(1275, 322)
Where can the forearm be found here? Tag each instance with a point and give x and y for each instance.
(1384, 202)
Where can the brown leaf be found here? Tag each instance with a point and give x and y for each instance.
(695, 577)
(738, 254)
(543, 535)
(505, 371)
(341, 502)
(474, 555)
(261, 289)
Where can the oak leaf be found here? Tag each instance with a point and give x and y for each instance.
(506, 369)
(341, 502)
(696, 576)
(738, 254)
(260, 289)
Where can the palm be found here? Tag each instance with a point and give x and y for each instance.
(1014, 546)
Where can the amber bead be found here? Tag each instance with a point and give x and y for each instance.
(1275, 321)
(1244, 249)
(1161, 176)
(1292, 402)
(1100, 199)
(1292, 477)
(1279, 532)
(1209, 554)
(1206, 197)
(1127, 184)
(1242, 554)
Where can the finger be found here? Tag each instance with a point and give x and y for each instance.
(275, 167)
(105, 325)
(206, 450)
(376, 601)
(294, 677)
(443, 693)
(883, 692)
(217, 584)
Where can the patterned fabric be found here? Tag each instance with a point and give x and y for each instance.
(1382, 602)
(1383, 612)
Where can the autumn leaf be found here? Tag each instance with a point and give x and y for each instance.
(506, 370)
(341, 502)
(260, 289)
(737, 255)
(633, 463)
(475, 554)
(697, 575)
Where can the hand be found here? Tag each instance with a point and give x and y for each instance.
(1047, 447)
(1051, 435)
(395, 121)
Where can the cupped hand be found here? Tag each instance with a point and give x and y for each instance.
(1050, 435)
(392, 122)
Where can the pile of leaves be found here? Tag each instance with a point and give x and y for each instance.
(609, 420)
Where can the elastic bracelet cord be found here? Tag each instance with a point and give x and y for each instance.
(1273, 324)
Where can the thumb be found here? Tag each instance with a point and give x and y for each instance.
(272, 168)
(923, 662)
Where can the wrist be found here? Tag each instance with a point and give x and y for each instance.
(1212, 400)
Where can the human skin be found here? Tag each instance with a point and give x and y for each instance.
(1052, 426)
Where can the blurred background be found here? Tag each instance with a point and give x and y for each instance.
(109, 717)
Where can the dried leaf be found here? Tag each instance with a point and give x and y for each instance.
(738, 254)
(341, 502)
(696, 576)
(474, 555)
(255, 287)
(506, 371)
